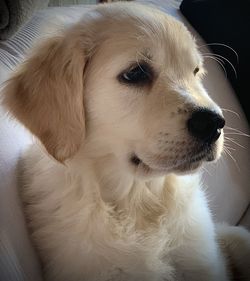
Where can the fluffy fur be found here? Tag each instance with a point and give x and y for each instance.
(94, 213)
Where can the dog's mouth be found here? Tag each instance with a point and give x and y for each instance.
(162, 164)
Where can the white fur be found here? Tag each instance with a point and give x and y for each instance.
(97, 216)
(82, 237)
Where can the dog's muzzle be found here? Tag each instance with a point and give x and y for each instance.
(205, 125)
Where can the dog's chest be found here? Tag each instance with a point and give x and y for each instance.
(120, 247)
(107, 241)
(107, 245)
(129, 240)
(126, 242)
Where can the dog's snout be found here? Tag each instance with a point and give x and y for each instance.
(205, 125)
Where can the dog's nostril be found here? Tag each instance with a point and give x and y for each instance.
(205, 125)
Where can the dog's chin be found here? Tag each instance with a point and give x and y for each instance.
(154, 167)
(143, 169)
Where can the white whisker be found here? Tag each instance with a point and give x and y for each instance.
(229, 147)
(224, 45)
(206, 170)
(235, 72)
(234, 141)
(219, 62)
(228, 152)
(238, 134)
(235, 131)
(231, 111)
(213, 55)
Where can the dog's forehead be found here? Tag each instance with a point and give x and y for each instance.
(122, 25)
(140, 20)
(125, 33)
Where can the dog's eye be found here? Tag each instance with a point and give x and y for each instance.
(196, 70)
(137, 75)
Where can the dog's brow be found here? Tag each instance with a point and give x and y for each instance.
(145, 55)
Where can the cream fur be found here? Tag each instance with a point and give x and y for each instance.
(96, 216)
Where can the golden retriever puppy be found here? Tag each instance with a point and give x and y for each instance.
(117, 102)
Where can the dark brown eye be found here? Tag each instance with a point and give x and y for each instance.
(137, 75)
(196, 70)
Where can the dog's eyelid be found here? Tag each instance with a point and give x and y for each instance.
(138, 73)
(143, 64)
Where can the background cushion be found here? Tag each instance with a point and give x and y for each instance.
(14, 13)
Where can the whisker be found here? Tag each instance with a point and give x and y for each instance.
(235, 142)
(221, 160)
(235, 131)
(238, 134)
(229, 147)
(221, 58)
(213, 55)
(219, 62)
(235, 72)
(224, 45)
(206, 170)
(228, 152)
(231, 111)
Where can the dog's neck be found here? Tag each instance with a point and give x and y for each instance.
(115, 183)
(111, 188)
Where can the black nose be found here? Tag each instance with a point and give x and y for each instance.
(205, 125)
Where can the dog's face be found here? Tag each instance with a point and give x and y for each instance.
(144, 98)
(131, 87)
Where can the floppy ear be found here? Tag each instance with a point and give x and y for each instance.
(46, 95)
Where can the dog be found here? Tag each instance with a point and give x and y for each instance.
(113, 191)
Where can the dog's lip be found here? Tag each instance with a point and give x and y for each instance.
(137, 161)
(188, 164)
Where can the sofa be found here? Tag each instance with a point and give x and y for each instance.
(226, 182)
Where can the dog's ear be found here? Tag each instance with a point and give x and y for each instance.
(46, 95)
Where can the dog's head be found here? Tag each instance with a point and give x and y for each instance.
(126, 79)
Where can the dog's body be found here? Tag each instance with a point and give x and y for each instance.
(160, 226)
(126, 121)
